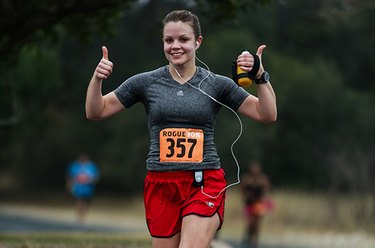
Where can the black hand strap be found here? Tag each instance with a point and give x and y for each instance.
(255, 68)
(234, 72)
(251, 74)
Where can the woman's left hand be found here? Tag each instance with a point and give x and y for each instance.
(246, 61)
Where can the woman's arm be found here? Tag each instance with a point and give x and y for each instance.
(98, 106)
(262, 108)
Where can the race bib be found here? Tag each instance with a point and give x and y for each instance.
(181, 145)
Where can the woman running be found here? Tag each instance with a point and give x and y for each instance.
(184, 176)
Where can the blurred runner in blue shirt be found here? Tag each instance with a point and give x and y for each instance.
(82, 175)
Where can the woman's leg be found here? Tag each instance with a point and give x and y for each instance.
(172, 242)
(198, 231)
(82, 206)
(253, 230)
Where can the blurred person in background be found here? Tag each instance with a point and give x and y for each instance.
(184, 189)
(82, 175)
(255, 187)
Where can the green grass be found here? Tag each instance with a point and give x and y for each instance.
(305, 219)
(75, 240)
(318, 211)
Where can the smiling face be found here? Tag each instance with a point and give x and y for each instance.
(180, 43)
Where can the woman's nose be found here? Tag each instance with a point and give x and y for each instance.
(175, 45)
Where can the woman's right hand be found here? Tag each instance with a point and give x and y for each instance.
(105, 67)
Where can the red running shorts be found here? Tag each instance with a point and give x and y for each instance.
(170, 196)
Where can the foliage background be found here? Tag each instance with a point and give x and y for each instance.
(320, 55)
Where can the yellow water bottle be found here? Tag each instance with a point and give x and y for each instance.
(243, 76)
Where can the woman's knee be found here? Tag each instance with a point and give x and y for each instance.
(198, 231)
(172, 242)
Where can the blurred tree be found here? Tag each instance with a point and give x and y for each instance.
(220, 11)
(34, 23)
(28, 22)
(336, 29)
(22, 23)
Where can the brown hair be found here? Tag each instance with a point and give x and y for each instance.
(186, 17)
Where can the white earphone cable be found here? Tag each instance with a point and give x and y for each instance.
(235, 140)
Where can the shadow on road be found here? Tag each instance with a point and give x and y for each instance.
(17, 223)
(10, 223)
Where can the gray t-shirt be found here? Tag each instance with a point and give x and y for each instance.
(170, 105)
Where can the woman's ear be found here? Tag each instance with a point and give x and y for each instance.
(198, 42)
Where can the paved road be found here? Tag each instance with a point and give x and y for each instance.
(10, 223)
(18, 223)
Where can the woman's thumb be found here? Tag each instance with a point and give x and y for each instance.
(260, 50)
(105, 52)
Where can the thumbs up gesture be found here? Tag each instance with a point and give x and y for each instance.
(105, 67)
(260, 53)
(246, 61)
